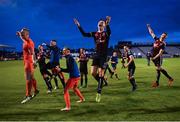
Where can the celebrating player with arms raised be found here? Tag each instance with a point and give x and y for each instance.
(157, 51)
(101, 38)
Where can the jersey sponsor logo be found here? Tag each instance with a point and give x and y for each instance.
(158, 44)
(100, 37)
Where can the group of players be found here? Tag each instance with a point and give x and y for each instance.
(98, 67)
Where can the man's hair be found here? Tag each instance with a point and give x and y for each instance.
(165, 33)
(24, 29)
(54, 40)
(66, 48)
(114, 51)
(101, 19)
(127, 45)
(39, 46)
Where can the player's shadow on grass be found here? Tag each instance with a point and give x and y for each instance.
(28, 115)
(153, 111)
(166, 87)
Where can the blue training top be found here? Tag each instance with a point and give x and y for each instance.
(72, 67)
(114, 59)
(54, 54)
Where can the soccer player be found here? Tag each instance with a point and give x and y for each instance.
(131, 67)
(47, 76)
(114, 62)
(101, 39)
(54, 62)
(123, 61)
(157, 52)
(72, 82)
(148, 56)
(83, 59)
(29, 64)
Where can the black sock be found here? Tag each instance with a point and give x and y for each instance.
(86, 79)
(100, 84)
(48, 83)
(97, 77)
(116, 76)
(48, 73)
(81, 80)
(133, 82)
(56, 81)
(110, 71)
(112, 74)
(105, 81)
(62, 81)
(166, 74)
(158, 76)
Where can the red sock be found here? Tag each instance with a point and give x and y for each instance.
(34, 84)
(67, 98)
(78, 93)
(28, 87)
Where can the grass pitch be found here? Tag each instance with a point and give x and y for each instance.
(117, 103)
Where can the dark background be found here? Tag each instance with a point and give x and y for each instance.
(53, 19)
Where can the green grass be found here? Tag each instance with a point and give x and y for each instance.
(118, 102)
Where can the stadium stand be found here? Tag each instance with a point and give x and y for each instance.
(9, 53)
(139, 50)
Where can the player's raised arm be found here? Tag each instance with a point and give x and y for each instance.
(48, 46)
(151, 31)
(81, 30)
(19, 34)
(76, 22)
(108, 19)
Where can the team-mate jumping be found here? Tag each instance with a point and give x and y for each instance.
(29, 64)
(47, 76)
(54, 62)
(101, 38)
(72, 82)
(157, 52)
(131, 67)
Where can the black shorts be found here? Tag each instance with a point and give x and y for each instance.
(52, 65)
(44, 71)
(99, 61)
(157, 61)
(131, 70)
(114, 66)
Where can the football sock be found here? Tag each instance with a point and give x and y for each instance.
(158, 76)
(166, 74)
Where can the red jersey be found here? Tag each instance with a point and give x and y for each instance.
(157, 46)
(28, 50)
